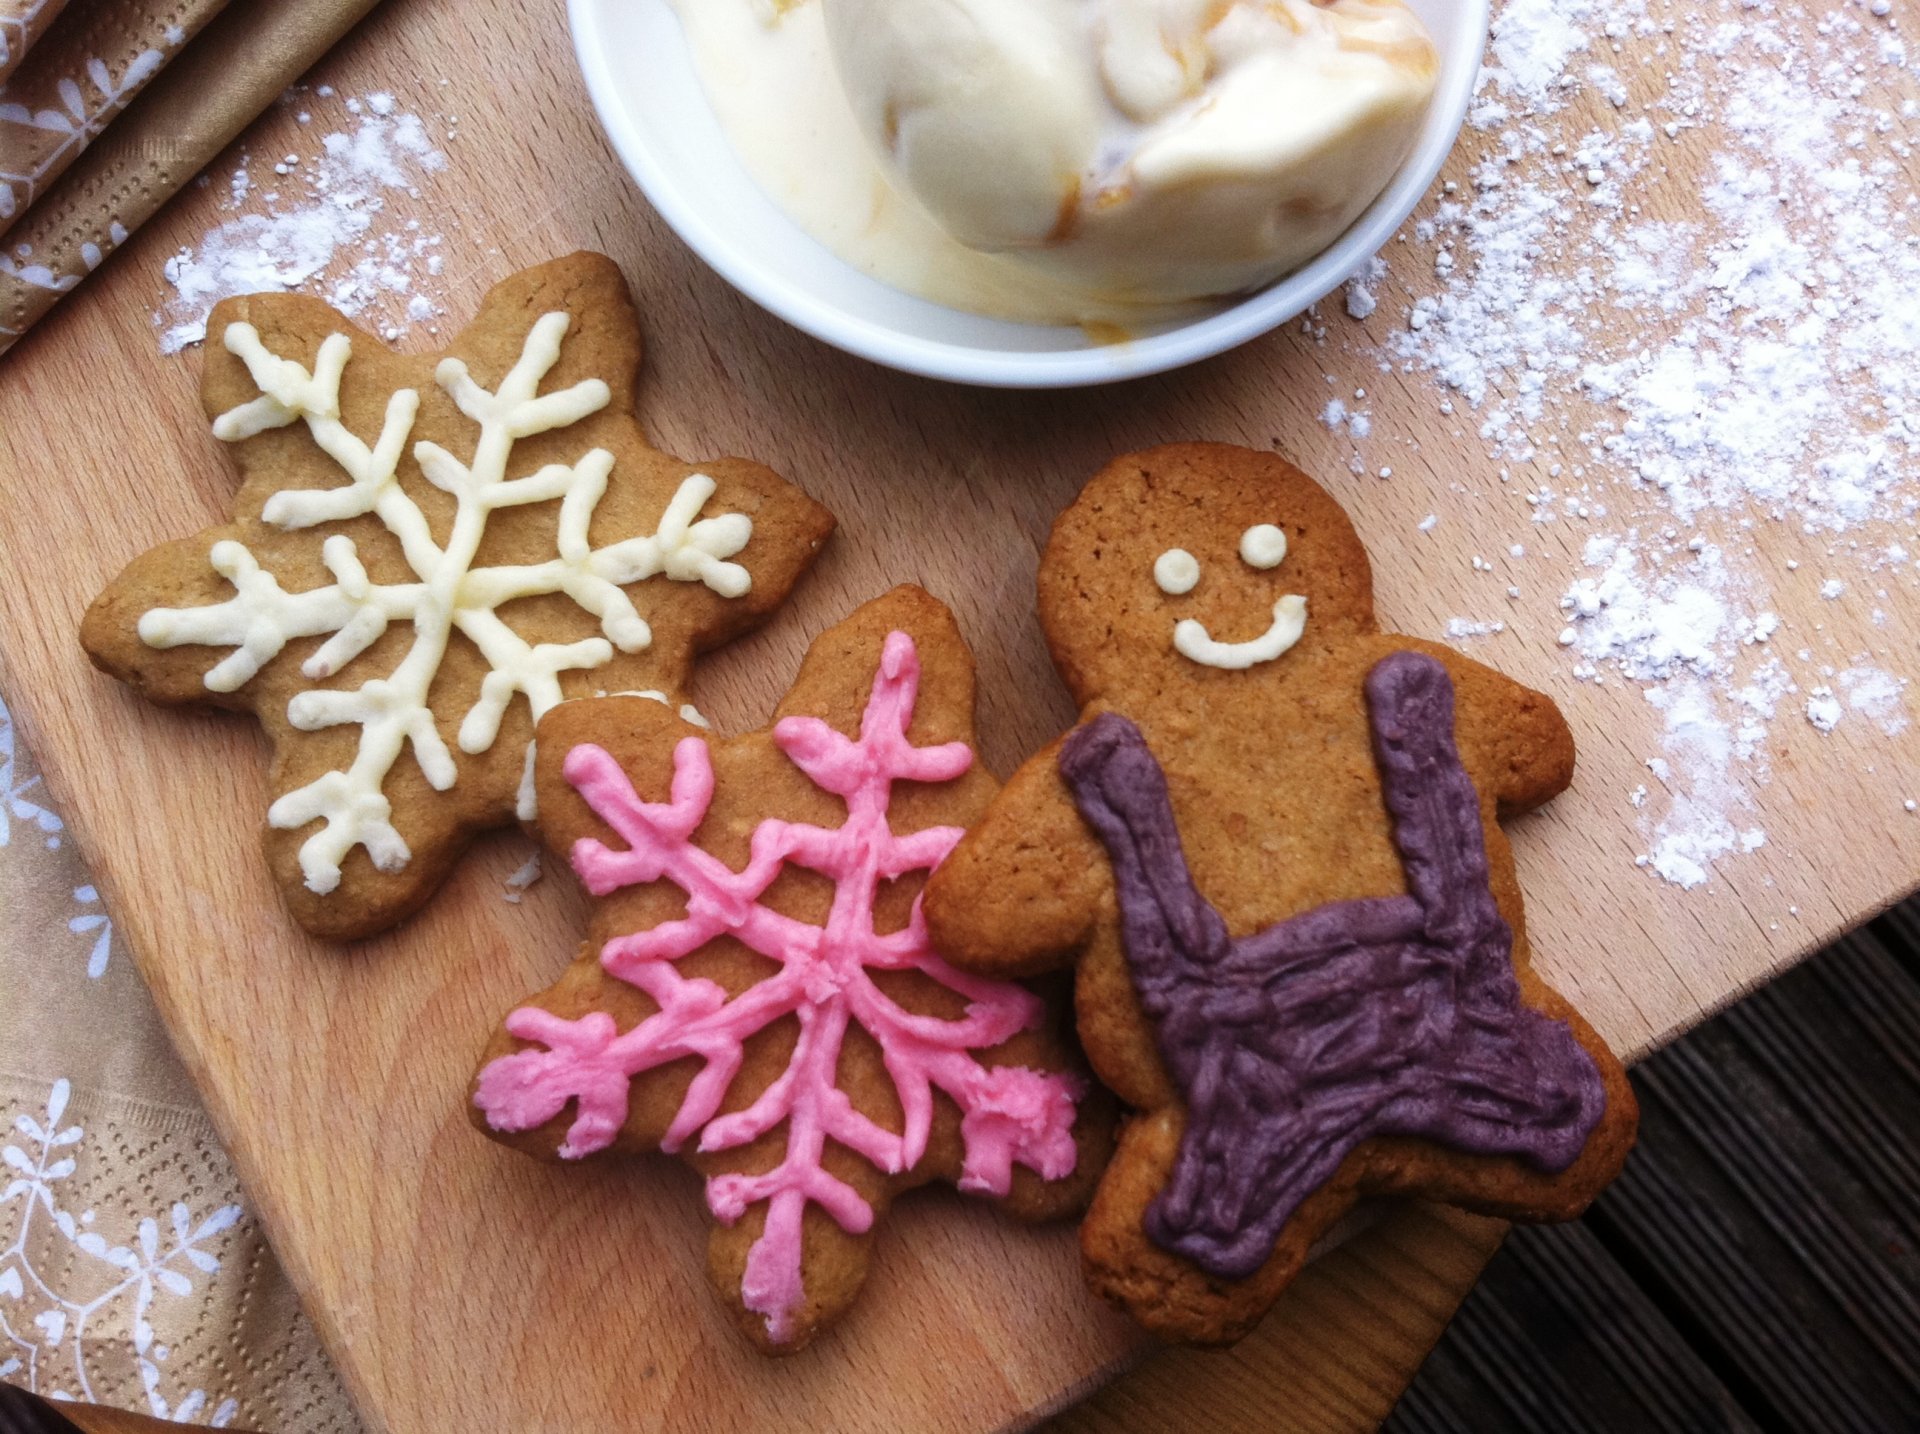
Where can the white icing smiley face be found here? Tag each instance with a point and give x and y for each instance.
(1176, 573)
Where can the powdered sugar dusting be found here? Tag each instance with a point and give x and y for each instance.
(1703, 394)
(319, 222)
(1877, 695)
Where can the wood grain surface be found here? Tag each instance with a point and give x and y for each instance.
(1335, 1354)
(459, 1285)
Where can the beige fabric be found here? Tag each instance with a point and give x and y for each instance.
(130, 1272)
(81, 75)
(22, 22)
(190, 111)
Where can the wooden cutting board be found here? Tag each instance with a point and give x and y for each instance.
(458, 1285)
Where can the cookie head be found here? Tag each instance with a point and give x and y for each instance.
(1198, 562)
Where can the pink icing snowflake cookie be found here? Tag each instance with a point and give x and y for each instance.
(757, 994)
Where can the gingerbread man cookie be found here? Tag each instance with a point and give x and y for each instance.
(1272, 849)
(756, 993)
(421, 542)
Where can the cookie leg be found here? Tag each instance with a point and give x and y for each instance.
(1169, 1296)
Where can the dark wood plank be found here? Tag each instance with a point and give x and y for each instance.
(1558, 1337)
(1606, 1323)
(1758, 1265)
(1544, 1399)
(1899, 931)
(1686, 1233)
(1824, 1038)
(1873, 978)
(1789, 1180)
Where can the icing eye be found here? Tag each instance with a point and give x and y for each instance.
(1263, 546)
(1176, 571)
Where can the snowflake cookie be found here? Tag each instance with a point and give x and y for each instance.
(757, 993)
(419, 543)
(1271, 852)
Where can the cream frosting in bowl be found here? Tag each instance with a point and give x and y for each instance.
(991, 199)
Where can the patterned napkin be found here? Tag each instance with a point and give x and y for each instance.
(189, 111)
(130, 1273)
(21, 23)
(83, 72)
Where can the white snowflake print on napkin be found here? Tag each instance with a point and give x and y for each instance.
(93, 922)
(53, 1321)
(20, 796)
(78, 119)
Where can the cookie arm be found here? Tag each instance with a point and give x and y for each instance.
(1514, 739)
(1019, 895)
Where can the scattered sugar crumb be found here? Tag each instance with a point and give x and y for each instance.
(1361, 301)
(1337, 414)
(1461, 627)
(522, 877)
(1824, 709)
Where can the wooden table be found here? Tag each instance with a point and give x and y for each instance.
(952, 488)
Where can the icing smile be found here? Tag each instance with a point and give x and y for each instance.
(1192, 640)
(1176, 573)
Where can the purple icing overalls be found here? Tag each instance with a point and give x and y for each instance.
(1396, 1015)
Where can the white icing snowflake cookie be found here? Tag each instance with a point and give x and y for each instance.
(428, 554)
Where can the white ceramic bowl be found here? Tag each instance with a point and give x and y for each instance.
(641, 76)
